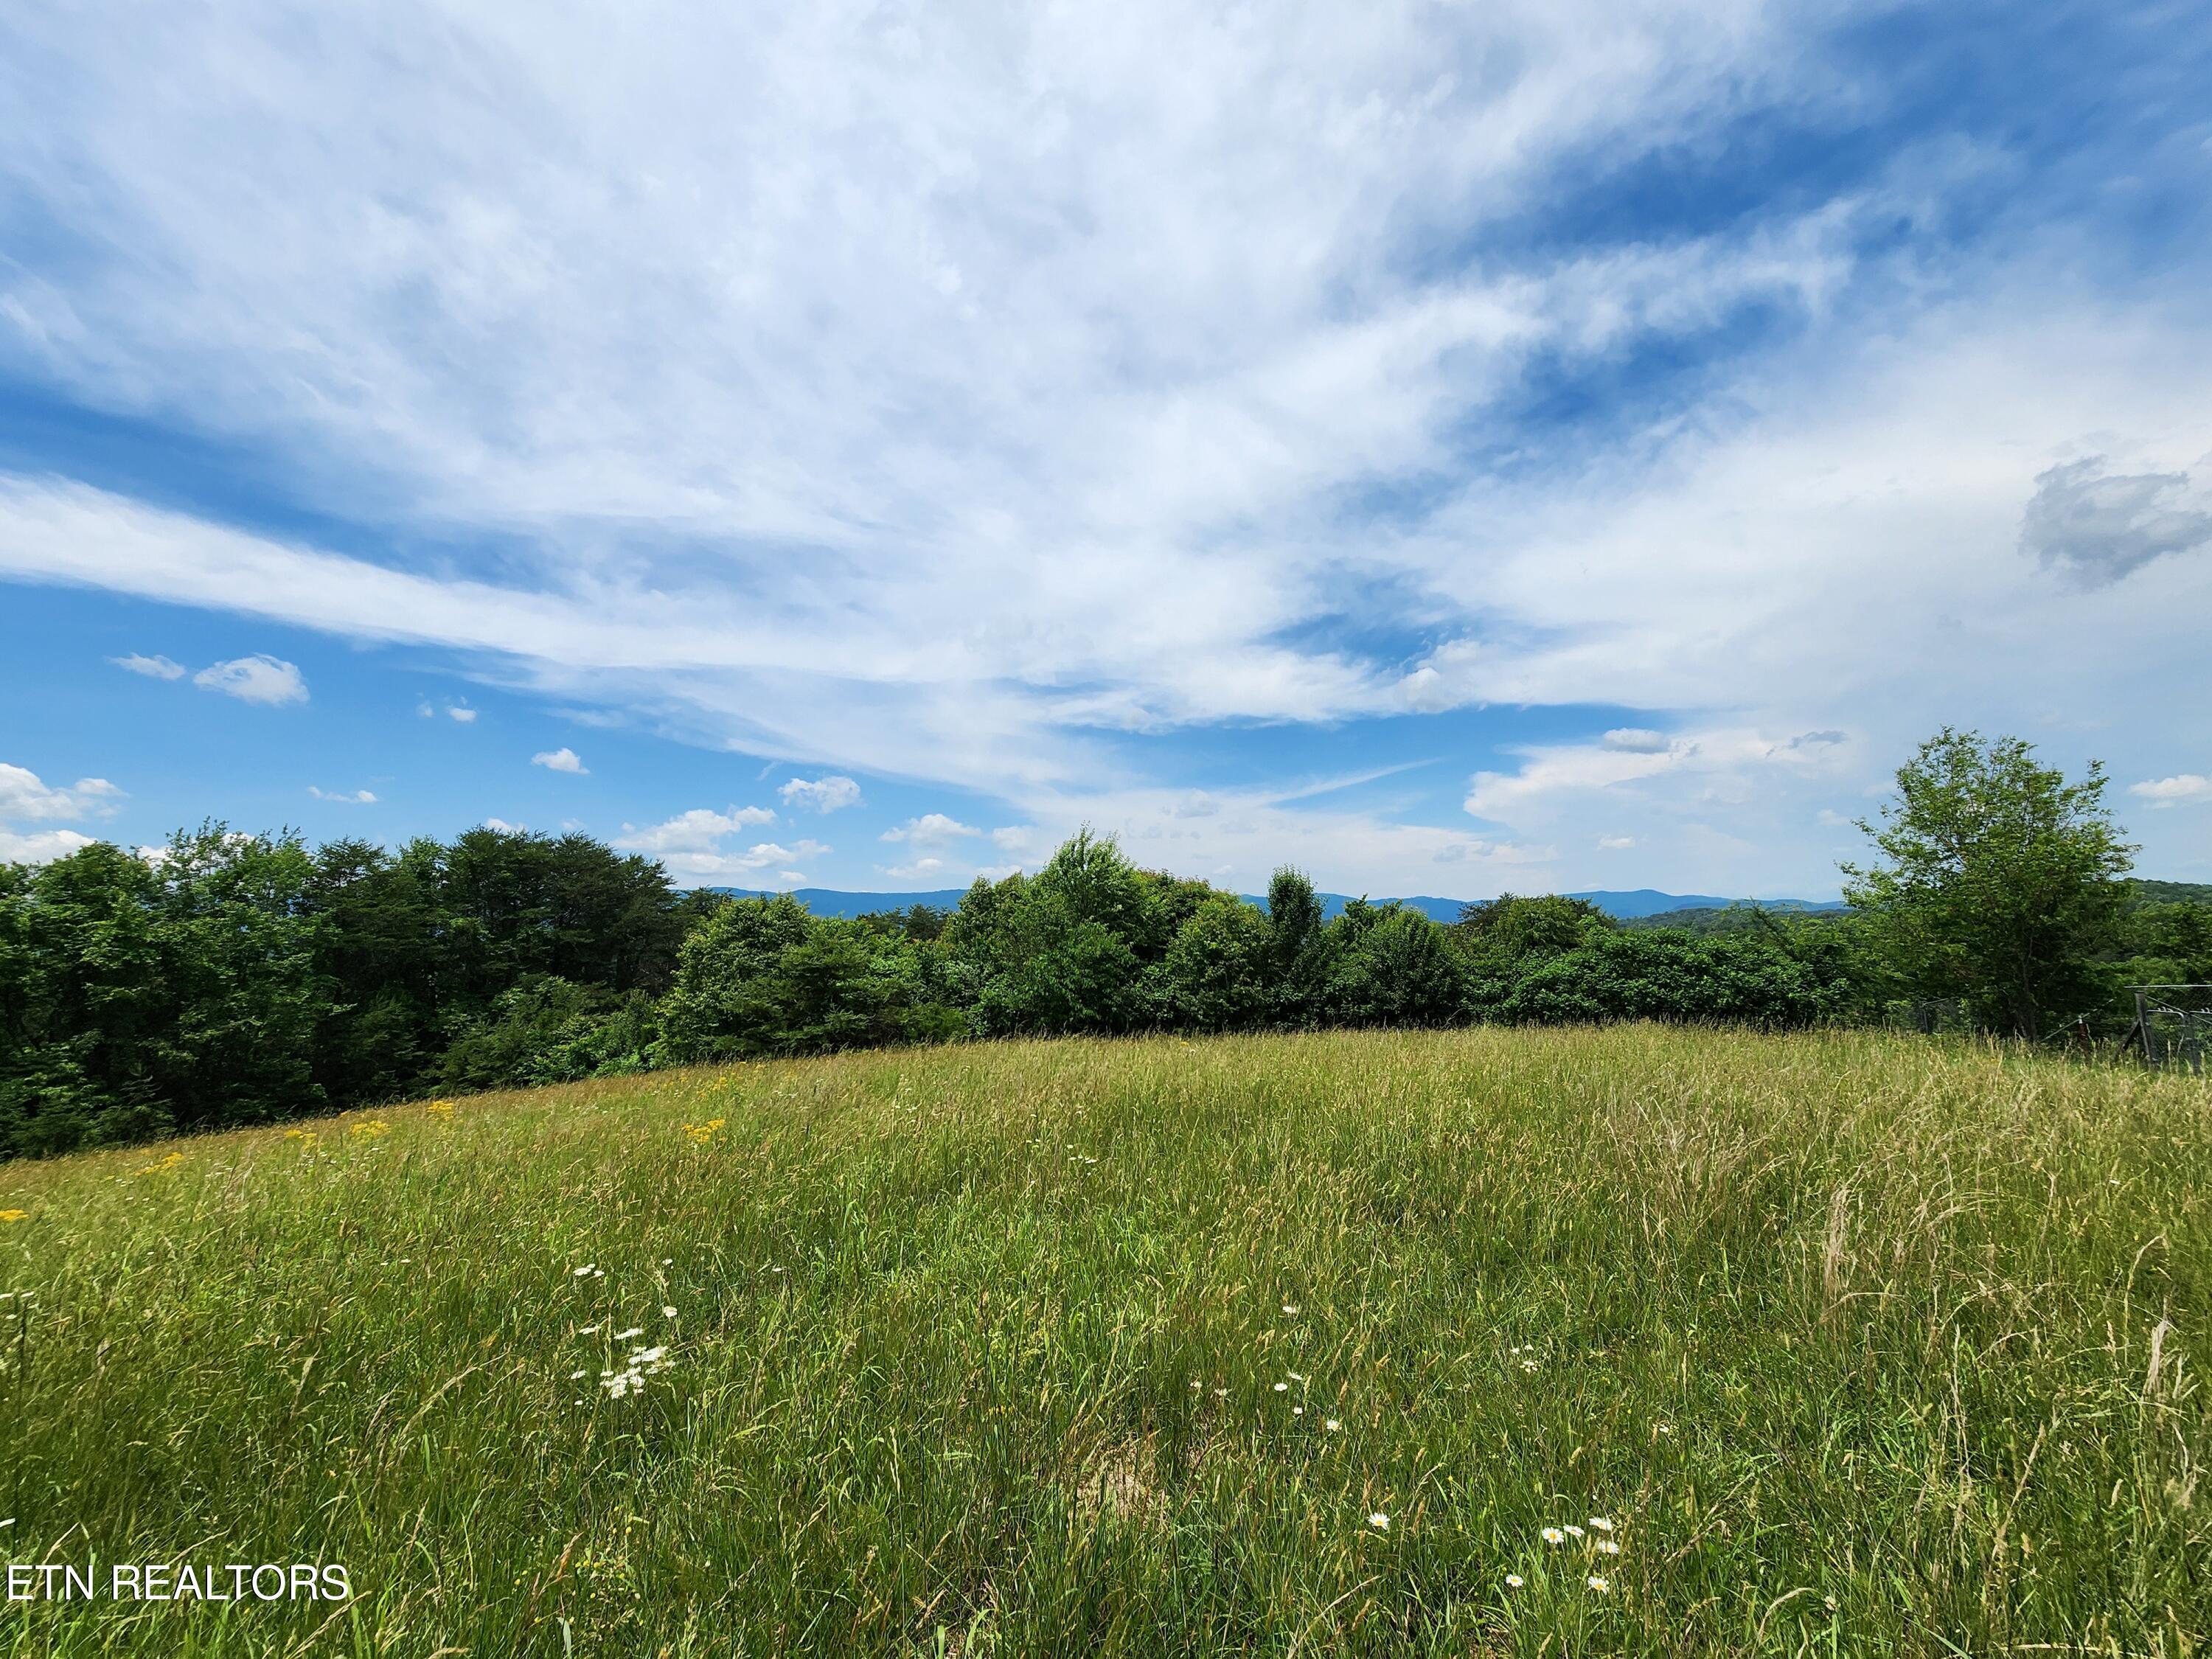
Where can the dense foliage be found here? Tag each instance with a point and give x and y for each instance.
(235, 979)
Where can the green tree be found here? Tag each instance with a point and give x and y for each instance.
(2003, 886)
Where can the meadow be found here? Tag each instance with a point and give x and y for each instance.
(1638, 1340)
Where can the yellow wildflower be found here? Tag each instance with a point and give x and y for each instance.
(15, 1215)
(701, 1133)
(439, 1107)
(369, 1127)
(165, 1165)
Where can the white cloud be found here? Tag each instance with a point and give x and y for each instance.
(826, 794)
(1615, 843)
(259, 678)
(42, 846)
(461, 712)
(1637, 740)
(559, 760)
(23, 795)
(1035, 317)
(931, 828)
(2172, 792)
(690, 846)
(700, 829)
(505, 828)
(1014, 837)
(153, 668)
(921, 869)
(358, 798)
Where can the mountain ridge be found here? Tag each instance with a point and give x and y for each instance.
(1623, 905)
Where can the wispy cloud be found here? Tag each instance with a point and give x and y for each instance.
(2173, 791)
(563, 759)
(355, 797)
(153, 668)
(999, 385)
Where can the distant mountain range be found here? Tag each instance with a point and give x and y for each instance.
(1627, 907)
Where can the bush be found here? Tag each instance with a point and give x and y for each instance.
(1669, 976)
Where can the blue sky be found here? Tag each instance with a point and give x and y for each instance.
(1453, 448)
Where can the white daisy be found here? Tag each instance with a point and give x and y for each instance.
(1379, 1521)
(1553, 1535)
(1513, 1580)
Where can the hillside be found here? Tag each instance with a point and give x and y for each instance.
(1839, 1343)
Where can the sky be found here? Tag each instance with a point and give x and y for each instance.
(1451, 448)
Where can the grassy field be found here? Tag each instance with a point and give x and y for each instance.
(1861, 1345)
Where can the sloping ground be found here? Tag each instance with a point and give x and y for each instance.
(1860, 1344)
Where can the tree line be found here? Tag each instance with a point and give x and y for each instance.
(233, 979)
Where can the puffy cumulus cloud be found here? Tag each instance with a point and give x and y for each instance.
(357, 797)
(23, 795)
(700, 829)
(2173, 791)
(270, 681)
(930, 828)
(42, 846)
(690, 846)
(461, 712)
(153, 668)
(2097, 525)
(26, 798)
(563, 759)
(826, 794)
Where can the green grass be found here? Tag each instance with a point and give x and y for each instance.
(1865, 1345)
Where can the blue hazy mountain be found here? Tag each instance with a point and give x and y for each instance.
(1624, 906)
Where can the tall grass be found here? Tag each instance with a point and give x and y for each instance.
(1281, 1344)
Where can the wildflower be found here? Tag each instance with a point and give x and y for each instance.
(1331, 1426)
(1282, 1388)
(1513, 1580)
(1602, 1522)
(441, 1107)
(589, 1330)
(1292, 1309)
(583, 1272)
(1606, 1546)
(574, 1375)
(634, 1330)
(1221, 1393)
(1528, 1365)
(668, 1261)
(1553, 1535)
(1574, 1532)
(1379, 1521)
(369, 1128)
(15, 1215)
(1600, 1585)
(1298, 1411)
(667, 1312)
(701, 1133)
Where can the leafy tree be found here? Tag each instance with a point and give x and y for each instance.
(1218, 973)
(1392, 966)
(1519, 928)
(2003, 886)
